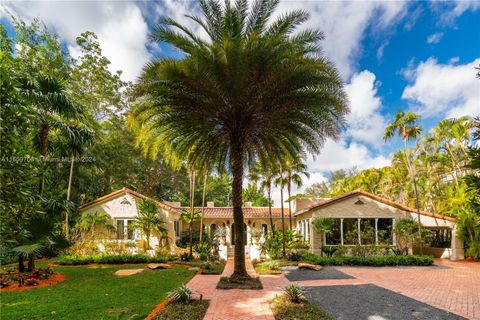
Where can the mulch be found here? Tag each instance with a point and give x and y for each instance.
(54, 279)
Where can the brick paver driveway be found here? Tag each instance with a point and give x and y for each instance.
(452, 286)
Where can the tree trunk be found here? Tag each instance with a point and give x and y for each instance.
(69, 189)
(417, 200)
(289, 189)
(236, 164)
(203, 204)
(43, 141)
(192, 208)
(21, 265)
(31, 263)
(283, 214)
(269, 191)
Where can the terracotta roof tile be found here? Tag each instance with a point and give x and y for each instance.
(248, 212)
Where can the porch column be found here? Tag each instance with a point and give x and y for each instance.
(248, 235)
(458, 252)
(228, 234)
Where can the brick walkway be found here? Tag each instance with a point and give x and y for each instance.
(452, 286)
(238, 304)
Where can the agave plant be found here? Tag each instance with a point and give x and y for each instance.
(182, 294)
(294, 293)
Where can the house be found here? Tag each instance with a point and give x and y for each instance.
(355, 214)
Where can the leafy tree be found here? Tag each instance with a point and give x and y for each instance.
(407, 231)
(254, 195)
(148, 220)
(295, 168)
(255, 89)
(190, 217)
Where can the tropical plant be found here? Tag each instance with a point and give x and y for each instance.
(407, 233)
(190, 217)
(295, 168)
(294, 293)
(90, 222)
(323, 226)
(253, 90)
(182, 294)
(148, 220)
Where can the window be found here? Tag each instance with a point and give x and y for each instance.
(384, 231)
(335, 237)
(120, 229)
(367, 231)
(176, 227)
(350, 231)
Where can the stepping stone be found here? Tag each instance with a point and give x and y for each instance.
(154, 266)
(194, 268)
(128, 272)
(303, 265)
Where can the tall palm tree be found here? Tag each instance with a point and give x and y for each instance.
(294, 169)
(254, 89)
(264, 173)
(51, 108)
(406, 126)
(280, 181)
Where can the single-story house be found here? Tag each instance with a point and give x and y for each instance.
(355, 214)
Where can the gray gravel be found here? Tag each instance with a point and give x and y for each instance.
(323, 274)
(370, 302)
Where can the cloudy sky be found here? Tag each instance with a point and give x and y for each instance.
(393, 55)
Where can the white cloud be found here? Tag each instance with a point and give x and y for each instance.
(120, 26)
(435, 38)
(345, 24)
(443, 89)
(365, 121)
(450, 10)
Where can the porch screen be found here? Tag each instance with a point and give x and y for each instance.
(335, 236)
(350, 231)
(384, 231)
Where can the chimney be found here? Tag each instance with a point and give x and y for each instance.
(210, 204)
(248, 204)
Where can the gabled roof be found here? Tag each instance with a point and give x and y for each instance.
(377, 198)
(248, 212)
(130, 192)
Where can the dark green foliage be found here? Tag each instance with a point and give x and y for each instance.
(195, 310)
(116, 259)
(378, 261)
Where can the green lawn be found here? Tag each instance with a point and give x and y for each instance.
(95, 293)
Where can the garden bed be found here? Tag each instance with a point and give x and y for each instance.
(109, 259)
(195, 310)
(272, 266)
(248, 283)
(375, 261)
(283, 309)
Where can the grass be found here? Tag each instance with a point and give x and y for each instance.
(195, 310)
(93, 292)
(240, 283)
(264, 267)
(283, 309)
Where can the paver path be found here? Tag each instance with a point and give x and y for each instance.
(452, 286)
(238, 304)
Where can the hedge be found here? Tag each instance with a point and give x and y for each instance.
(109, 259)
(376, 261)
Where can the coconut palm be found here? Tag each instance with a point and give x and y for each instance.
(51, 109)
(254, 89)
(406, 126)
(148, 220)
(264, 173)
(295, 168)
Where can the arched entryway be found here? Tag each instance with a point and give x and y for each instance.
(244, 234)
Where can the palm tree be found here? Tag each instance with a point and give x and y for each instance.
(253, 90)
(322, 226)
(190, 217)
(90, 221)
(406, 126)
(264, 173)
(51, 108)
(148, 220)
(280, 181)
(294, 169)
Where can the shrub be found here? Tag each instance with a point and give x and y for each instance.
(182, 294)
(103, 259)
(272, 265)
(473, 250)
(329, 250)
(204, 251)
(295, 255)
(414, 260)
(407, 233)
(294, 293)
(272, 247)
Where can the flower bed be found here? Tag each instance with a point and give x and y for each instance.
(376, 261)
(12, 280)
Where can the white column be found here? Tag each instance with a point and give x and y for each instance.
(394, 237)
(228, 234)
(359, 237)
(341, 231)
(248, 236)
(457, 247)
(376, 231)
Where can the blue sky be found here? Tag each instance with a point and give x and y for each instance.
(393, 55)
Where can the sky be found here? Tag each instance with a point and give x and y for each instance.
(414, 56)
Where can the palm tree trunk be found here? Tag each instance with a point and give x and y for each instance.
(289, 190)
(283, 214)
(203, 204)
(417, 200)
(21, 265)
(31, 263)
(192, 208)
(269, 192)
(43, 141)
(69, 189)
(236, 154)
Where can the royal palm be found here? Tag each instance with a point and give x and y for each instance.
(253, 89)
